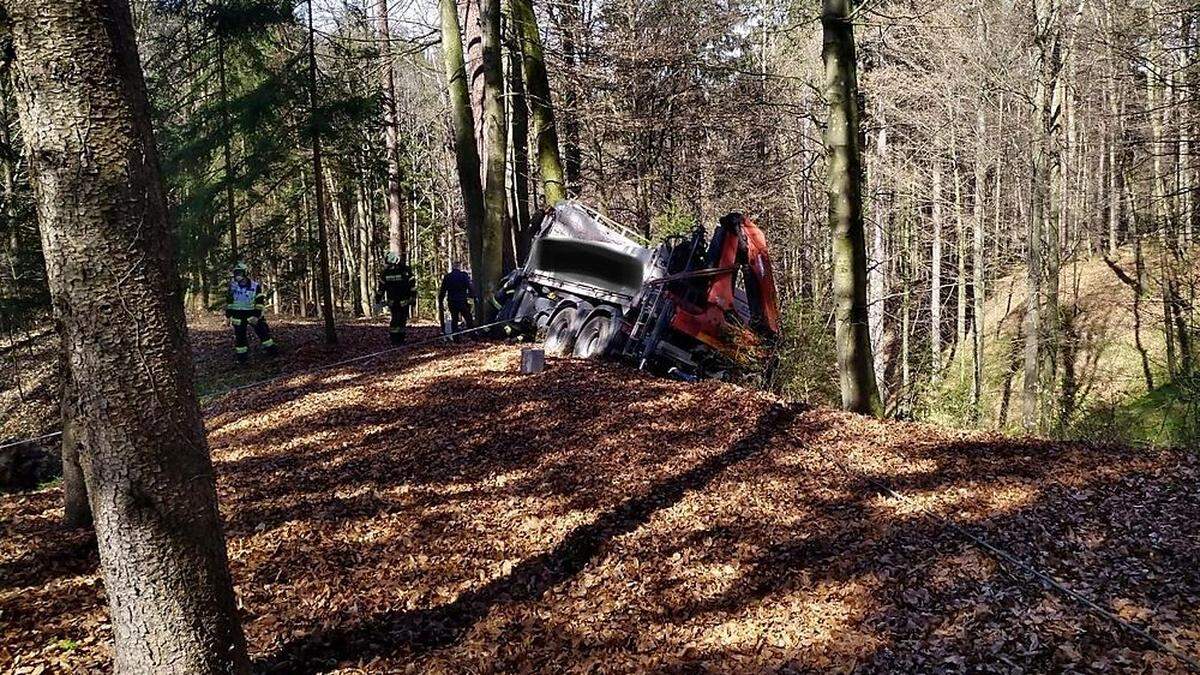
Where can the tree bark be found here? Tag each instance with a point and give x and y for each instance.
(935, 279)
(853, 335)
(391, 135)
(466, 154)
(227, 151)
(110, 260)
(519, 112)
(977, 268)
(487, 276)
(1045, 122)
(325, 283)
(537, 86)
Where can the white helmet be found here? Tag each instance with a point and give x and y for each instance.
(392, 258)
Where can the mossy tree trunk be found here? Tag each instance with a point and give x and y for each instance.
(855, 362)
(466, 154)
(537, 87)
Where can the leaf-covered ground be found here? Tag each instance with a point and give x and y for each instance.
(433, 510)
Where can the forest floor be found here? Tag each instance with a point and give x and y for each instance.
(434, 510)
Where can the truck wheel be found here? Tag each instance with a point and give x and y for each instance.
(561, 331)
(598, 337)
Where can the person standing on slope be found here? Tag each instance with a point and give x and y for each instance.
(247, 298)
(398, 285)
(457, 291)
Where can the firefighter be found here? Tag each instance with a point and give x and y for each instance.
(457, 291)
(400, 288)
(245, 309)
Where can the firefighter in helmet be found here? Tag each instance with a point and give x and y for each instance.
(247, 297)
(399, 287)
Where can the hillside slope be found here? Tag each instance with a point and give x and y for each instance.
(435, 511)
(1112, 400)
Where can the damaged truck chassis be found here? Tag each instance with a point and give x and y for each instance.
(689, 308)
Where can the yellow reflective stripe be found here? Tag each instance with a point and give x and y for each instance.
(241, 350)
(268, 343)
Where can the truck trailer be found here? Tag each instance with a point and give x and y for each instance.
(692, 306)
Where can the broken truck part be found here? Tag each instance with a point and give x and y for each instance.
(691, 307)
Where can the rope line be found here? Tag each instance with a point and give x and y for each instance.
(327, 366)
(1046, 579)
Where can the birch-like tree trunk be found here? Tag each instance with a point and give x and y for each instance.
(855, 362)
(977, 267)
(110, 261)
(935, 279)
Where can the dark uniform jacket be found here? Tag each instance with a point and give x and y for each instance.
(397, 285)
(457, 288)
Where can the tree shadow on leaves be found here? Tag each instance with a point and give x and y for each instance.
(419, 631)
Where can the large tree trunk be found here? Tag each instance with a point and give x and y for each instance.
(391, 135)
(111, 267)
(470, 14)
(935, 279)
(466, 153)
(491, 255)
(326, 289)
(876, 274)
(855, 362)
(227, 152)
(519, 112)
(537, 86)
(1045, 121)
(977, 269)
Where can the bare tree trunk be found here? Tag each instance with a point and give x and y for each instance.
(470, 14)
(537, 86)
(935, 279)
(365, 222)
(325, 283)
(227, 134)
(111, 266)
(487, 276)
(519, 111)
(875, 274)
(391, 135)
(1045, 121)
(855, 362)
(977, 268)
(466, 153)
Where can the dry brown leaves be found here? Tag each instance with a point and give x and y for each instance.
(436, 511)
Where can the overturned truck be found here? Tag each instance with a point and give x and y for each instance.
(690, 307)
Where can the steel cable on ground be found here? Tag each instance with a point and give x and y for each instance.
(317, 369)
(1046, 579)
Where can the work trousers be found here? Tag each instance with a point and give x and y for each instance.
(243, 320)
(399, 325)
(460, 315)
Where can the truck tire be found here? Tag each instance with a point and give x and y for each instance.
(599, 337)
(562, 329)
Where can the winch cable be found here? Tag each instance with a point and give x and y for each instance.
(356, 359)
(1046, 579)
(365, 357)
